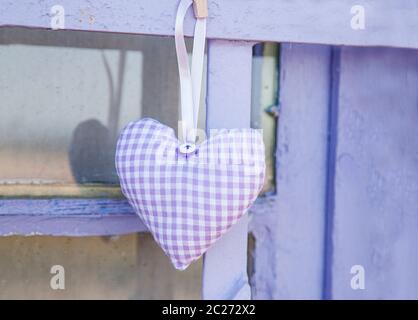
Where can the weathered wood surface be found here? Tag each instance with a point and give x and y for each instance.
(347, 168)
(229, 106)
(289, 227)
(376, 177)
(69, 217)
(388, 23)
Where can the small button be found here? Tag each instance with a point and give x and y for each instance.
(187, 148)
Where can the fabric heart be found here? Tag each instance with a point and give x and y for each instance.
(188, 201)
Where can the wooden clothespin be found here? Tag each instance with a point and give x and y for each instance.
(200, 8)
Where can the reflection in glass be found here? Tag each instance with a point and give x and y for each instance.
(65, 96)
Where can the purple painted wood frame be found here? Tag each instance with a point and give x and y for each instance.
(289, 227)
(375, 195)
(347, 166)
(388, 23)
(67, 217)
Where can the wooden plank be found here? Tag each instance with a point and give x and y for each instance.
(289, 227)
(70, 217)
(229, 106)
(388, 23)
(69, 226)
(376, 188)
(67, 207)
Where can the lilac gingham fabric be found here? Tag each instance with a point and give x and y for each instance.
(189, 202)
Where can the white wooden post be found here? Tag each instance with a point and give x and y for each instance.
(228, 106)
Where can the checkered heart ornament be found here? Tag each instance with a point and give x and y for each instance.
(189, 195)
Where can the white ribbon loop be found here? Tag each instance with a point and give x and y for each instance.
(190, 81)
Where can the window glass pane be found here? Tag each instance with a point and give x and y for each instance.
(125, 267)
(65, 96)
(265, 108)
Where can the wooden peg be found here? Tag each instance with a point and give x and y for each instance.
(200, 8)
